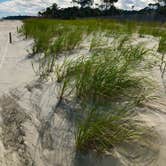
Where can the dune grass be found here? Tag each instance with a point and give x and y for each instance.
(102, 130)
(55, 35)
(108, 87)
(64, 35)
(105, 83)
(108, 75)
(156, 30)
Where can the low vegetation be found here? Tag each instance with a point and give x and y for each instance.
(101, 130)
(107, 75)
(106, 80)
(106, 83)
(63, 35)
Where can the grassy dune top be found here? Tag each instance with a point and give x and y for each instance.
(43, 31)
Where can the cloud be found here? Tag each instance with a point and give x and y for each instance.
(139, 4)
(31, 7)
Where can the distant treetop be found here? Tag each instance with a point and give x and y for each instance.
(84, 3)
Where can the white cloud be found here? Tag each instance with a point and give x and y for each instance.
(31, 7)
(127, 4)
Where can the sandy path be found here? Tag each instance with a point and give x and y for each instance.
(15, 72)
(15, 69)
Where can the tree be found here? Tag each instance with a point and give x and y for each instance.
(84, 3)
(109, 3)
(40, 13)
(54, 6)
(54, 9)
(48, 11)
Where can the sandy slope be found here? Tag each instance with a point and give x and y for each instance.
(34, 133)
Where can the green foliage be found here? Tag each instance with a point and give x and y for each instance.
(100, 81)
(162, 44)
(102, 130)
(64, 35)
(108, 75)
(107, 80)
(157, 30)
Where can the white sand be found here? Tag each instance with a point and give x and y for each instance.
(15, 68)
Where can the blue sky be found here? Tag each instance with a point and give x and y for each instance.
(31, 7)
(2, 0)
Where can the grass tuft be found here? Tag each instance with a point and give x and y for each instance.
(108, 75)
(103, 130)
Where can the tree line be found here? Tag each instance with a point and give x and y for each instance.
(88, 8)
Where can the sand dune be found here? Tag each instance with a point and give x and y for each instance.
(32, 133)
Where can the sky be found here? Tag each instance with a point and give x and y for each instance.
(31, 7)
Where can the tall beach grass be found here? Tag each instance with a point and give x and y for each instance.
(107, 83)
